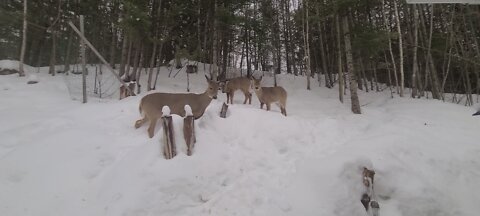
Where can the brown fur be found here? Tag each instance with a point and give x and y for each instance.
(240, 83)
(366, 175)
(268, 95)
(151, 105)
(124, 91)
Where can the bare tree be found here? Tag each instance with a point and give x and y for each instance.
(415, 51)
(341, 82)
(351, 73)
(387, 28)
(21, 72)
(306, 43)
(400, 48)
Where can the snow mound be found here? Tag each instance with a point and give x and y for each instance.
(12, 66)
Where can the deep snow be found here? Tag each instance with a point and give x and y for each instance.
(61, 157)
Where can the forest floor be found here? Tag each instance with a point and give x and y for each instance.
(61, 157)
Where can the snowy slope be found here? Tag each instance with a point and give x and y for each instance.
(61, 157)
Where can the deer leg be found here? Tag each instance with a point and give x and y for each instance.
(122, 93)
(284, 111)
(249, 98)
(140, 122)
(246, 97)
(228, 97)
(268, 106)
(151, 128)
(231, 97)
(261, 105)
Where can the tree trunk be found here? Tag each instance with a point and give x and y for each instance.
(113, 46)
(136, 58)
(430, 66)
(123, 59)
(306, 43)
(341, 82)
(66, 66)
(21, 71)
(352, 78)
(159, 63)
(140, 67)
(129, 53)
(53, 54)
(152, 65)
(387, 28)
(286, 33)
(400, 47)
(84, 62)
(214, 73)
(415, 51)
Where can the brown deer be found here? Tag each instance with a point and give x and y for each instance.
(268, 95)
(151, 105)
(192, 69)
(124, 92)
(240, 83)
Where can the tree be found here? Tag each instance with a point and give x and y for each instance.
(21, 71)
(400, 48)
(351, 72)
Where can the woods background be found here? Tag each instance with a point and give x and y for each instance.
(429, 49)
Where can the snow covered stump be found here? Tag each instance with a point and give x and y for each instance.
(223, 112)
(169, 148)
(368, 198)
(189, 129)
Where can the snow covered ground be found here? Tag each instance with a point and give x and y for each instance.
(61, 157)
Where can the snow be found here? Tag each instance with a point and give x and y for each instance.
(61, 157)
(165, 111)
(188, 110)
(14, 65)
(32, 78)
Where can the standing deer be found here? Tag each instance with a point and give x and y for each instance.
(240, 83)
(151, 105)
(268, 95)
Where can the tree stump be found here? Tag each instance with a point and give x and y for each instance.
(169, 148)
(368, 198)
(223, 112)
(189, 133)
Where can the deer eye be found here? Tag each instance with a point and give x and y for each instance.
(211, 88)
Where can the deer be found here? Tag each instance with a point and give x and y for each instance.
(268, 95)
(151, 105)
(124, 92)
(240, 83)
(192, 69)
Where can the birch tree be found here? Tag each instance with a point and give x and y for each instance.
(21, 71)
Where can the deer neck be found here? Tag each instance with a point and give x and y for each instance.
(259, 92)
(205, 98)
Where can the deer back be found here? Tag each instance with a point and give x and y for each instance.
(272, 94)
(151, 105)
(241, 83)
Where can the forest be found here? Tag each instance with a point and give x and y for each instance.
(411, 50)
(127, 107)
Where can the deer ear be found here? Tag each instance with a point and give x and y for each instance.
(206, 77)
(261, 78)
